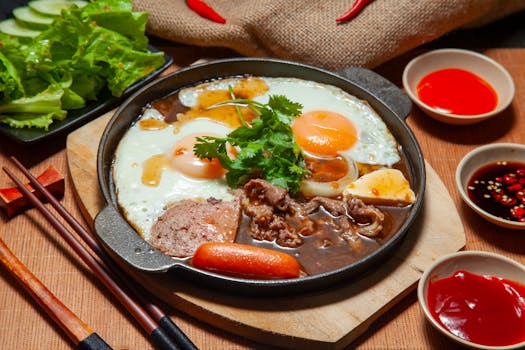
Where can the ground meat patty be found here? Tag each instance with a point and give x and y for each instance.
(188, 224)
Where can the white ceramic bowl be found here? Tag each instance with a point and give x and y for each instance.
(480, 263)
(478, 157)
(486, 68)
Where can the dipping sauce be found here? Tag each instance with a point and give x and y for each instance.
(499, 189)
(486, 310)
(457, 91)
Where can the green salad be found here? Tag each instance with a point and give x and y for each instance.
(89, 49)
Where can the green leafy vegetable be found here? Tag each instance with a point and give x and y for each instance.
(266, 147)
(10, 85)
(86, 53)
(121, 19)
(38, 111)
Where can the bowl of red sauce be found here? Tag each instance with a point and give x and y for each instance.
(457, 86)
(477, 299)
(491, 180)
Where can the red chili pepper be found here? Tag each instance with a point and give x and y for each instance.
(204, 10)
(515, 187)
(509, 179)
(353, 11)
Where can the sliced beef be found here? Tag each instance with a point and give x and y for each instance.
(369, 219)
(264, 192)
(267, 206)
(188, 224)
(334, 206)
(275, 216)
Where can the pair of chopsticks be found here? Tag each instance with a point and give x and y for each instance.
(82, 336)
(162, 331)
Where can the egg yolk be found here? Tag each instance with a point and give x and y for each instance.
(324, 133)
(185, 161)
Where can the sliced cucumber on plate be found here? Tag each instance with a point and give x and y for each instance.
(53, 7)
(30, 20)
(24, 15)
(11, 27)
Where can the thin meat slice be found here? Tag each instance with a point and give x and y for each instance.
(369, 218)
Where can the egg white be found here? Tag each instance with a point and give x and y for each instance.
(143, 204)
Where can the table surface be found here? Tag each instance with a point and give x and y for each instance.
(24, 325)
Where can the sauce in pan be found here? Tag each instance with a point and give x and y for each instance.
(325, 250)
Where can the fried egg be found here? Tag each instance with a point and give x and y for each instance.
(155, 166)
(335, 122)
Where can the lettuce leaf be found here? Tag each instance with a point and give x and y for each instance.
(10, 85)
(117, 16)
(35, 111)
(28, 120)
(121, 63)
(86, 52)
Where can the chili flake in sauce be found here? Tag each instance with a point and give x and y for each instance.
(499, 189)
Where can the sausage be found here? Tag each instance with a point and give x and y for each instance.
(245, 260)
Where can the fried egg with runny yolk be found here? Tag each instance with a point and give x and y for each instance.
(154, 167)
(337, 133)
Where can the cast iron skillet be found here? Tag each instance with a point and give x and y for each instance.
(123, 241)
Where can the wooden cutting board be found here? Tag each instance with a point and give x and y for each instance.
(328, 319)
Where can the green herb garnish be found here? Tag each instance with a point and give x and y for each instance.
(267, 148)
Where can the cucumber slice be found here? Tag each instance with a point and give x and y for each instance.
(53, 7)
(31, 19)
(11, 27)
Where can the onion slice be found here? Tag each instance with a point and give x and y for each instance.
(310, 188)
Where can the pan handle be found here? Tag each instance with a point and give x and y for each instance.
(123, 241)
(386, 91)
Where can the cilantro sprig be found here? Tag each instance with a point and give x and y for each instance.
(266, 147)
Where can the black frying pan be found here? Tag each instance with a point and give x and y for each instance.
(124, 242)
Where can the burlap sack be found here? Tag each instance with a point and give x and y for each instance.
(306, 30)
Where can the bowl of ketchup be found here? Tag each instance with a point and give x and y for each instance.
(477, 299)
(458, 86)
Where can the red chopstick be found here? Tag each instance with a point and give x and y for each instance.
(82, 336)
(165, 334)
